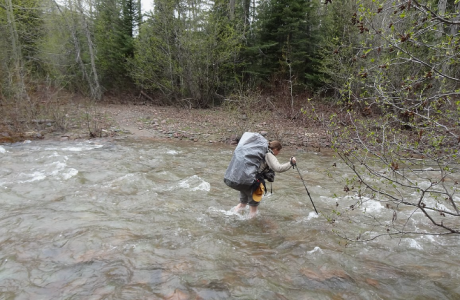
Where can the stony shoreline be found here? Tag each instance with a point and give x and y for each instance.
(210, 126)
(195, 125)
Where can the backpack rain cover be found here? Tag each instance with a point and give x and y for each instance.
(248, 154)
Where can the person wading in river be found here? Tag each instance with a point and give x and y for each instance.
(272, 163)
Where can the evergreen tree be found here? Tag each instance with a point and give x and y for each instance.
(155, 64)
(285, 41)
(186, 53)
(338, 55)
(116, 22)
(29, 24)
(21, 25)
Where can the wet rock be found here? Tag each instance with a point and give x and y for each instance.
(178, 295)
(234, 139)
(372, 282)
(324, 275)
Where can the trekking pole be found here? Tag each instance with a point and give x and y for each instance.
(295, 165)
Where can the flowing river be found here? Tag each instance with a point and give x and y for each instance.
(129, 219)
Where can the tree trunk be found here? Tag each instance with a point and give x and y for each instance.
(16, 78)
(232, 9)
(455, 27)
(93, 81)
(441, 12)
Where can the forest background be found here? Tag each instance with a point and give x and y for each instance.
(382, 78)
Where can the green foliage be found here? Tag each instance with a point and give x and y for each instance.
(109, 37)
(189, 61)
(21, 27)
(114, 26)
(154, 66)
(285, 33)
(57, 51)
(29, 25)
(64, 49)
(338, 55)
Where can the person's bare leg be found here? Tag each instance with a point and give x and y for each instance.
(240, 207)
(252, 211)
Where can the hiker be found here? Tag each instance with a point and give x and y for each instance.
(253, 199)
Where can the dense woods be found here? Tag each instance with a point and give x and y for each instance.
(202, 52)
(391, 70)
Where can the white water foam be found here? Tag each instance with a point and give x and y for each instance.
(242, 214)
(372, 206)
(2, 150)
(414, 244)
(195, 183)
(61, 171)
(424, 184)
(316, 249)
(34, 176)
(56, 169)
(71, 172)
(312, 215)
(77, 148)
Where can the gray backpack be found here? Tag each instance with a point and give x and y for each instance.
(242, 170)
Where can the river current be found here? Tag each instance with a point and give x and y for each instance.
(130, 219)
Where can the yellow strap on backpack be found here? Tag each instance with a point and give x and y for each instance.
(258, 193)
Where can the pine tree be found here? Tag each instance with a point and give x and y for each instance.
(285, 37)
(185, 53)
(116, 22)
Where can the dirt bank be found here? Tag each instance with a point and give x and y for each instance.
(194, 125)
(210, 126)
